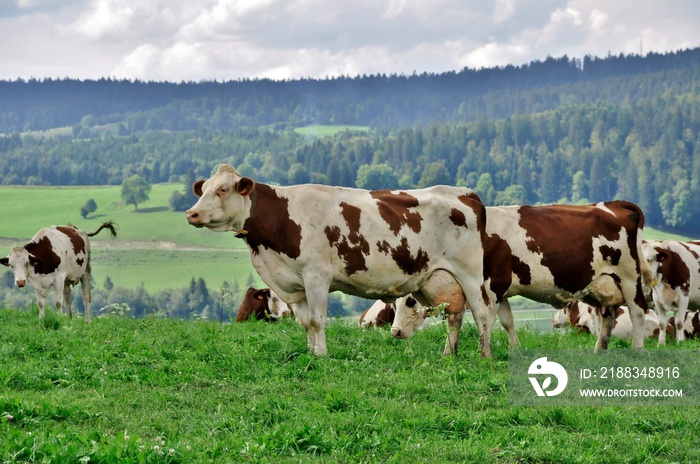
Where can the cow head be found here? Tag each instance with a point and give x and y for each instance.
(410, 316)
(278, 308)
(21, 263)
(561, 317)
(224, 201)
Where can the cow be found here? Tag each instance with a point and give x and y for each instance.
(560, 253)
(585, 319)
(691, 325)
(58, 257)
(262, 304)
(308, 240)
(381, 314)
(675, 268)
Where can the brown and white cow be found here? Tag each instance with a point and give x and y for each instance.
(560, 253)
(262, 304)
(675, 268)
(691, 325)
(585, 319)
(307, 240)
(58, 257)
(381, 314)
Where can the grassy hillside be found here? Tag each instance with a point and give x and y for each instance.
(120, 390)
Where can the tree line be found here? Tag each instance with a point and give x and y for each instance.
(373, 100)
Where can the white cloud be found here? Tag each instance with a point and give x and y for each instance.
(227, 39)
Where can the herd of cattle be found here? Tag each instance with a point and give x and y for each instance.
(417, 249)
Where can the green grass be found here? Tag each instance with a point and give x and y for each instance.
(120, 390)
(326, 131)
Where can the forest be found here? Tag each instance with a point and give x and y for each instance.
(559, 130)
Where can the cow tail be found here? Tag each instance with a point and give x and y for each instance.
(109, 225)
(644, 267)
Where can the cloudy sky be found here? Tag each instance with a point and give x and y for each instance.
(192, 40)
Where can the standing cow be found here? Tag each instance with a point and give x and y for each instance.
(675, 268)
(559, 253)
(307, 240)
(59, 257)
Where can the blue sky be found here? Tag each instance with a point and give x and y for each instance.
(184, 40)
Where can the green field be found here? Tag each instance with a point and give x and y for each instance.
(326, 131)
(155, 246)
(121, 390)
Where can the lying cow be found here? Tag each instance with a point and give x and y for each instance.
(584, 318)
(557, 254)
(59, 257)
(262, 305)
(381, 314)
(308, 240)
(691, 325)
(675, 268)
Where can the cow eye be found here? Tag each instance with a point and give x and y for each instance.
(223, 190)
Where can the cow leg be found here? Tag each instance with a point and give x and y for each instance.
(315, 307)
(68, 300)
(454, 327)
(85, 287)
(483, 317)
(41, 294)
(606, 321)
(679, 317)
(506, 317)
(662, 311)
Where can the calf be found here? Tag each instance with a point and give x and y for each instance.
(560, 253)
(585, 318)
(381, 314)
(308, 240)
(675, 268)
(262, 305)
(59, 257)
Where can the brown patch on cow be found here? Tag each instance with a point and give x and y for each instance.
(75, 239)
(386, 315)
(695, 322)
(611, 255)
(564, 234)
(457, 217)
(395, 209)
(673, 269)
(498, 258)
(42, 257)
(269, 224)
(473, 201)
(403, 258)
(351, 248)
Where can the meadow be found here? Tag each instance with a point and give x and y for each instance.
(121, 390)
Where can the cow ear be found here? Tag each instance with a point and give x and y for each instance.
(245, 186)
(197, 188)
(260, 294)
(34, 261)
(5, 261)
(661, 256)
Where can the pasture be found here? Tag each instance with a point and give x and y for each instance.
(121, 390)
